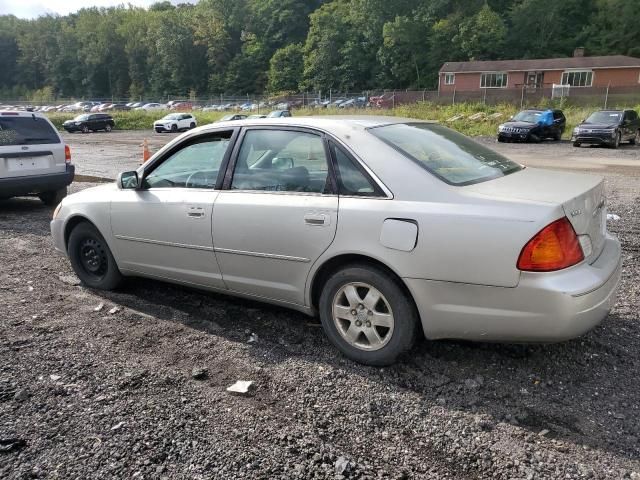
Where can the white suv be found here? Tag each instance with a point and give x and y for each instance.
(33, 158)
(175, 122)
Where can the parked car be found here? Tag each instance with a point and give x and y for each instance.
(210, 108)
(90, 122)
(151, 106)
(104, 107)
(36, 159)
(233, 116)
(122, 107)
(533, 126)
(357, 102)
(175, 122)
(279, 114)
(608, 127)
(466, 244)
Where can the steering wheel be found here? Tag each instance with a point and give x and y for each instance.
(190, 183)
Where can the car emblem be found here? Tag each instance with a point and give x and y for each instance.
(575, 213)
(25, 148)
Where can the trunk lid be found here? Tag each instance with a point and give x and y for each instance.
(580, 195)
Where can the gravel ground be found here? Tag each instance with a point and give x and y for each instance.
(137, 388)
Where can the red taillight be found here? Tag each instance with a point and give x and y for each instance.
(554, 247)
(67, 154)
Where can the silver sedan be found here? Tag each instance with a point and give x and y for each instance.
(384, 227)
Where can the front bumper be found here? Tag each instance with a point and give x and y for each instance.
(16, 186)
(513, 137)
(594, 139)
(544, 307)
(162, 128)
(57, 235)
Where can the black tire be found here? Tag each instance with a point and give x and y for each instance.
(616, 142)
(91, 258)
(577, 144)
(192, 125)
(108, 128)
(402, 307)
(53, 198)
(174, 128)
(500, 140)
(85, 129)
(557, 136)
(158, 130)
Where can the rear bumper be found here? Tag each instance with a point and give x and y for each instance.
(544, 307)
(15, 186)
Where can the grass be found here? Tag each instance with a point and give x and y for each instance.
(141, 120)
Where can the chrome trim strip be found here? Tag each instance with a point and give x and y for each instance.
(262, 255)
(161, 242)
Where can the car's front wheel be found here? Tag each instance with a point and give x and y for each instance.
(85, 129)
(616, 142)
(91, 258)
(54, 197)
(108, 128)
(367, 315)
(174, 128)
(192, 125)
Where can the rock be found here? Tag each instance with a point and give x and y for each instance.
(543, 432)
(341, 465)
(199, 373)
(241, 387)
(55, 378)
(471, 384)
(21, 395)
(619, 416)
(317, 458)
(11, 444)
(114, 310)
(99, 307)
(253, 338)
(117, 426)
(69, 279)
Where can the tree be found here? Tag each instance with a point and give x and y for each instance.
(285, 68)
(482, 37)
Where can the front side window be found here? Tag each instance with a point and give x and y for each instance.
(493, 80)
(449, 155)
(449, 78)
(281, 161)
(578, 78)
(195, 165)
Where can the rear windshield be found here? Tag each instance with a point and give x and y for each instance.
(449, 155)
(26, 131)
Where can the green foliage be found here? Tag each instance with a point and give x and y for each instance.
(236, 47)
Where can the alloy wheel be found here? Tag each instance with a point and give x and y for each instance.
(363, 316)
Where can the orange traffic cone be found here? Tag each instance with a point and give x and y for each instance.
(146, 154)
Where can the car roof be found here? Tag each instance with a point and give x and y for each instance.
(328, 122)
(21, 113)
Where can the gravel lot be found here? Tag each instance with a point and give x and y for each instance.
(96, 393)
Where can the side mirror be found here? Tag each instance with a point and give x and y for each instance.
(128, 180)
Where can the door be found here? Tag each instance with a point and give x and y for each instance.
(277, 213)
(164, 228)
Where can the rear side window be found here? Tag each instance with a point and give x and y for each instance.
(448, 155)
(352, 180)
(26, 131)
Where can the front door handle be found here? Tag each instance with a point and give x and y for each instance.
(316, 219)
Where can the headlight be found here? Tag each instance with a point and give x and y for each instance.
(576, 131)
(500, 127)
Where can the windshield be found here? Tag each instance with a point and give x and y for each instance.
(449, 155)
(172, 116)
(529, 116)
(606, 118)
(26, 131)
(81, 118)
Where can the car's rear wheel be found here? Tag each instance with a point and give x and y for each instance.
(108, 128)
(91, 258)
(85, 129)
(53, 197)
(367, 315)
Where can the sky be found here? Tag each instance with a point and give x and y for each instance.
(34, 8)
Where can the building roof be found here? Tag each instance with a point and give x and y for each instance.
(610, 61)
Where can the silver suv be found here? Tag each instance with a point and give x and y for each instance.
(33, 158)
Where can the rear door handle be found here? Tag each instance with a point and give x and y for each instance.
(195, 212)
(315, 219)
